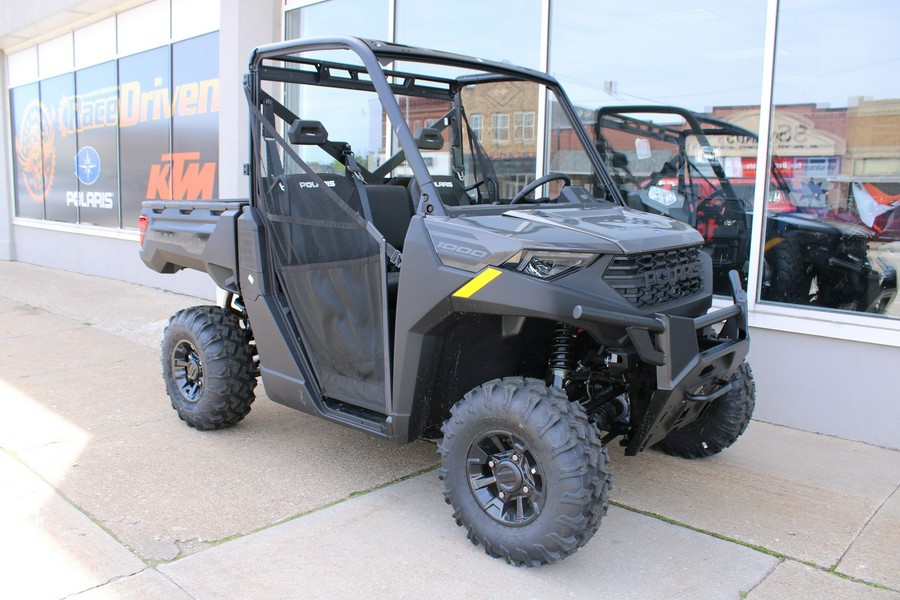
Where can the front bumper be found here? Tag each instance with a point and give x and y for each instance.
(693, 362)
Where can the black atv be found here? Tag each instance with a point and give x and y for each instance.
(417, 289)
(667, 160)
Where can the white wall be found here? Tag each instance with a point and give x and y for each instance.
(104, 257)
(837, 387)
(243, 25)
(6, 204)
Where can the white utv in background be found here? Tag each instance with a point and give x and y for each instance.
(433, 297)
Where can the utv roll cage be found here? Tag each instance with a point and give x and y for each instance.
(617, 119)
(373, 76)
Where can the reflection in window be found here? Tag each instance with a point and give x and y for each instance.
(513, 161)
(362, 18)
(491, 32)
(500, 127)
(523, 126)
(477, 123)
(687, 166)
(836, 147)
(349, 117)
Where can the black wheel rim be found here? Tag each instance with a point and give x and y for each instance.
(505, 478)
(188, 370)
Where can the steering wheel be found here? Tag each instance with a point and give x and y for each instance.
(521, 196)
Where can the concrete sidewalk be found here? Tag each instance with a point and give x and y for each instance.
(106, 494)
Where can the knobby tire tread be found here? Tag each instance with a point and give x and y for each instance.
(228, 361)
(530, 404)
(717, 428)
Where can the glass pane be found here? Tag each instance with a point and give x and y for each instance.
(695, 55)
(349, 116)
(474, 28)
(60, 183)
(143, 131)
(476, 136)
(143, 27)
(511, 157)
(29, 116)
(361, 18)
(688, 166)
(22, 67)
(98, 156)
(195, 118)
(833, 225)
(670, 69)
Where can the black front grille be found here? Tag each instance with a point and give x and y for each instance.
(656, 277)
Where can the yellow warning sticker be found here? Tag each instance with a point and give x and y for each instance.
(476, 283)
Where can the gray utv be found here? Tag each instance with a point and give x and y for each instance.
(396, 276)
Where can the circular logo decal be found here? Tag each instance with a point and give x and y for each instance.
(87, 165)
(36, 154)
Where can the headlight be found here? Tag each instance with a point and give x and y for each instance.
(547, 265)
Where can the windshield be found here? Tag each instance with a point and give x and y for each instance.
(478, 134)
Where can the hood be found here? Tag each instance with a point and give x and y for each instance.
(476, 240)
(628, 231)
(816, 224)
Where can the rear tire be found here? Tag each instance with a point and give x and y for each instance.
(208, 366)
(720, 425)
(524, 471)
(788, 278)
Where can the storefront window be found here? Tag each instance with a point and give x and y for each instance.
(354, 118)
(59, 144)
(195, 118)
(31, 158)
(97, 161)
(361, 18)
(143, 133)
(648, 97)
(833, 223)
(91, 144)
(501, 31)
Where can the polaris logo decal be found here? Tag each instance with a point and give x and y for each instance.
(672, 275)
(312, 184)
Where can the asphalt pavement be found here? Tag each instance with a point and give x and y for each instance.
(105, 493)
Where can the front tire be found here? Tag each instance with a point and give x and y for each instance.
(208, 366)
(720, 425)
(524, 471)
(788, 279)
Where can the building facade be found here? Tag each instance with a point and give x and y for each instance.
(107, 104)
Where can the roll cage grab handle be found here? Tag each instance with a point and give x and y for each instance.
(395, 52)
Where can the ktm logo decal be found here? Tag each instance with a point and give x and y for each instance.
(184, 178)
(36, 156)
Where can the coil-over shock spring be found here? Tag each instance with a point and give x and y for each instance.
(561, 354)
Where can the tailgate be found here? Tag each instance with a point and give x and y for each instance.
(193, 235)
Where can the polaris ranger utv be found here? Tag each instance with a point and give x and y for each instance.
(667, 160)
(415, 289)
